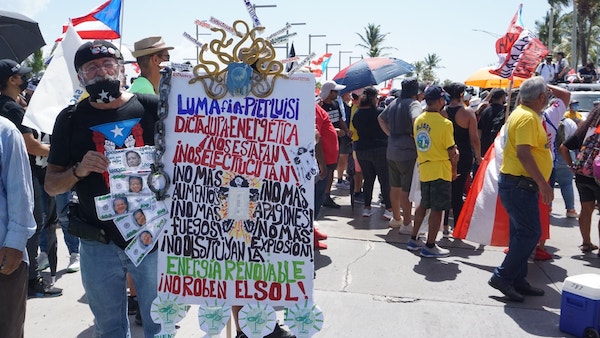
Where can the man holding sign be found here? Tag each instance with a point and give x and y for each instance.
(108, 119)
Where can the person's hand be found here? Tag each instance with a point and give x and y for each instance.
(322, 171)
(10, 259)
(92, 161)
(547, 193)
(340, 132)
(350, 133)
(478, 160)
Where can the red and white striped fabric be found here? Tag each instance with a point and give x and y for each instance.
(103, 22)
(483, 219)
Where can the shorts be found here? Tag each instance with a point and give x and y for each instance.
(401, 173)
(588, 189)
(436, 195)
(345, 145)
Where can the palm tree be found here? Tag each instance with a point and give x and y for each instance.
(431, 62)
(588, 22)
(419, 68)
(372, 40)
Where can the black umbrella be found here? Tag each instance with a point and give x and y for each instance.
(19, 36)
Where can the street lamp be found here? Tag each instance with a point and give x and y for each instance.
(310, 36)
(350, 58)
(327, 51)
(198, 48)
(340, 58)
(287, 32)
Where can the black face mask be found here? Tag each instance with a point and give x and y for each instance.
(25, 83)
(104, 91)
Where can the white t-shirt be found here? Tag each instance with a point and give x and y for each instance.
(546, 71)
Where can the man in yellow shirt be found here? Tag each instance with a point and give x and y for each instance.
(524, 174)
(573, 112)
(437, 157)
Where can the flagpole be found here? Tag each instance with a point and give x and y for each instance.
(510, 86)
(121, 24)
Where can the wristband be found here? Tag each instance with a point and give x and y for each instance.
(74, 169)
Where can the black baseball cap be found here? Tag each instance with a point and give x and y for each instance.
(10, 67)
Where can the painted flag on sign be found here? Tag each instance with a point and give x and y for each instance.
(103, 22)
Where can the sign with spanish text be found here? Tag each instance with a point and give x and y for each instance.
(242, 172)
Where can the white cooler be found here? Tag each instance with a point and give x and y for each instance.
(580, 305)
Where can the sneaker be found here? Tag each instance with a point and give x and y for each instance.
(572, 214)
(394, 223)
(132, 305)
(446, 234)
(367, 212)
(388, 214)
(414, 245)
(359, 198)
(42, 261)
(138, 318)
(345, 185)
(329, 203)
(38, 288)
(435, 252)
(320, 245)
(319, 236)
(541, 255)
(405, 229)
(73, 263)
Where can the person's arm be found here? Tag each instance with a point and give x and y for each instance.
(561, 93)
(564, 71)
(384, 126)
(454, 156)
(473, 134)
(35, 147)
(320, 156)
(61, 179)
(16, 179)
(526, 158)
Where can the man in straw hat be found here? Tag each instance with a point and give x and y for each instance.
(150, 53)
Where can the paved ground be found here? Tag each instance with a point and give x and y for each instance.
(369, 285)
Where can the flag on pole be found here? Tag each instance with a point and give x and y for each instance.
(483, 219)
(519, 50)
(291, 55)
(103, 22)
(319, 65)
(58, 88)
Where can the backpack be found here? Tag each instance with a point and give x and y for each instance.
(587, 162)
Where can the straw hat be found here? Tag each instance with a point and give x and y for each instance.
(149, 46)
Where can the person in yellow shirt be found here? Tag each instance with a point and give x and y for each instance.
(524, 174)
(437, 156)
(573, 113)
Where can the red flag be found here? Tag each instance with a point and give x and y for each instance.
(103, 22)
(519, 50)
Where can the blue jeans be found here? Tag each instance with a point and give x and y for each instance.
(103, 271)
(71, 241)
(320, 188)
(525, 229)
(564, 176)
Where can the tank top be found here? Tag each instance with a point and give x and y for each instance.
(461, 135)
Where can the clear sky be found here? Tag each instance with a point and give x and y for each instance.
(461, 32)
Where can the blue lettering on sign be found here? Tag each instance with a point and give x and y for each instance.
(269, 108)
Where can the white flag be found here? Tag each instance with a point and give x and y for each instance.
(58, 88)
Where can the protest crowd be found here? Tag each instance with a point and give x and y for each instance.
(425, 147)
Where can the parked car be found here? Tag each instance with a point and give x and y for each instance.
(585, 93)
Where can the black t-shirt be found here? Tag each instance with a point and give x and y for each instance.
(490, 122)
(370, 134)
(14, 112)
(87, 128)
(334, 112)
